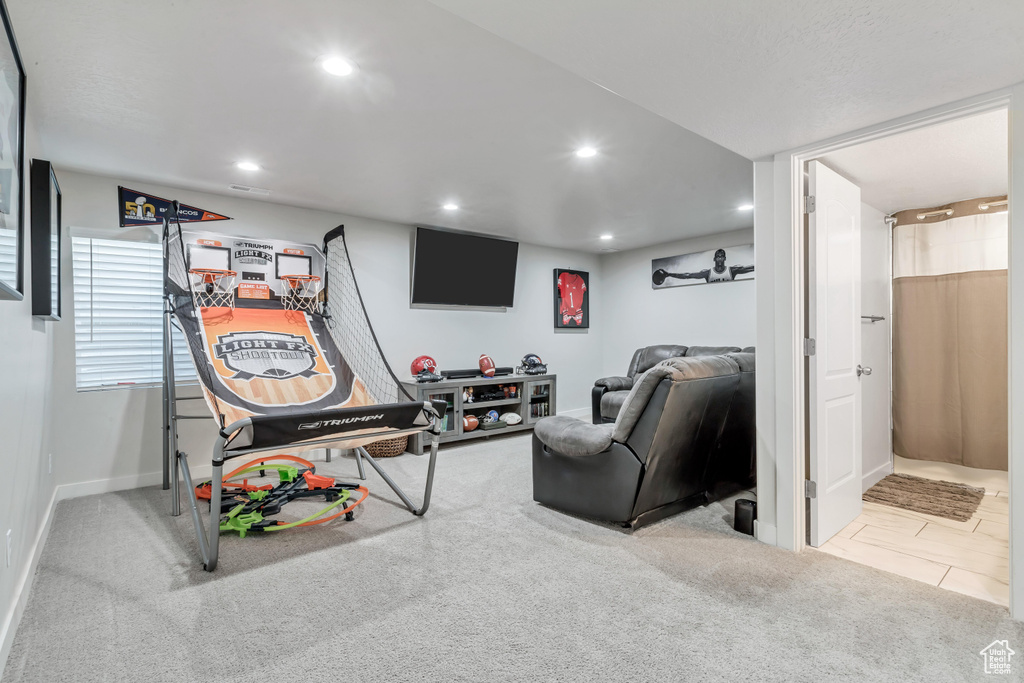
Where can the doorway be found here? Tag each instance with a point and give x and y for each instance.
(909, 226)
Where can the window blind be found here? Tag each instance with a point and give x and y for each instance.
(118, 287)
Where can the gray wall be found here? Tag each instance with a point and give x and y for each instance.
(115, 434)
(26, 354)
(637, 315)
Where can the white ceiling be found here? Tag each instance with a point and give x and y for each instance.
(763, 76)
(440, 110)
(932, 166)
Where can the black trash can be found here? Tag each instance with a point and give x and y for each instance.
(744, 516)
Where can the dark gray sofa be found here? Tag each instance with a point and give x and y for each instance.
(609, 392)
(654, 460)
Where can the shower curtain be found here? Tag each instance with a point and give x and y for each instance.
(949, 374)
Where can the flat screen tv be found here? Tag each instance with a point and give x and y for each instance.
(459, 269)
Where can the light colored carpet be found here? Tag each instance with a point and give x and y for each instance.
(489, 586)
(928, 496)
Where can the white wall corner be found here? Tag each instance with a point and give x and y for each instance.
(23, 587)
(765, 533)
(1016, 351)
(876, 475)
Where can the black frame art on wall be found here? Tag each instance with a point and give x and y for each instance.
(572, 299)
(46, 240)
(12, 154)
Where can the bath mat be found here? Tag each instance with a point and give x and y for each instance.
(928, 496)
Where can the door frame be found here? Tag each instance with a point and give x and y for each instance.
(781, 303)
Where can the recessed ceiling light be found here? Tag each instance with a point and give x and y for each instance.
(606, 237)
(584, 152)
(247, 166)
(450, 207)
(745, 207)
(336, 66)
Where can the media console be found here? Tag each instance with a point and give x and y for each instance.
(534, 399)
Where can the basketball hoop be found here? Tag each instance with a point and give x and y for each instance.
(300, 293)
(213, 288)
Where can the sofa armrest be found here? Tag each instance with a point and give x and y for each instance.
(569, 436)
(615, 383)
(595, 404)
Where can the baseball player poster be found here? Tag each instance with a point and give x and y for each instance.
(572, 300)
(727, 264)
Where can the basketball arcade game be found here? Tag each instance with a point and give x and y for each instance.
(286, 358)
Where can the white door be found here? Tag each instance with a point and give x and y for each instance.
(833, 288)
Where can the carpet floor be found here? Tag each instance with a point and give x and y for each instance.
(488, 586)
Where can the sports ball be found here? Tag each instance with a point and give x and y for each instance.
(486, 365)
(469, 423)
(423, 363)
(511, 418)
(492, 415)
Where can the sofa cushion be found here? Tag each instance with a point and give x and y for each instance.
(745, 360)
(711, 350)
(748, 349)
(569, 436)
(612, 402)
(646, 358)
(676, 369)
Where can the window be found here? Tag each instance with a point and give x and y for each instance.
(118, 315)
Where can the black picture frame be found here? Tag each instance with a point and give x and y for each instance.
(12, 171)
(45, 198)
(564, 318)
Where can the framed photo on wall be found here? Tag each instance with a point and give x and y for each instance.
(572, 300)
(727, 264)
(45, 202)
(12, 147)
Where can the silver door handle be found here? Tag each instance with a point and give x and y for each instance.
(861, 370)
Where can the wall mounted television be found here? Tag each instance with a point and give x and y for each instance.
(463, 269)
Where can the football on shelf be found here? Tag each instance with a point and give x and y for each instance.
(511, 418)
(469, 423)
(486, 365)
(423, 363)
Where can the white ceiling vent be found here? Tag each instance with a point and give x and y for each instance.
(250, 190)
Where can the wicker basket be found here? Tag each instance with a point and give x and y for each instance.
(388, 447)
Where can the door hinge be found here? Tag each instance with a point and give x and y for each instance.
(810, 489)
(810, 346)
(809, 203)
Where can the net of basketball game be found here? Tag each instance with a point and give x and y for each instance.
(212, 287)
(301, 293)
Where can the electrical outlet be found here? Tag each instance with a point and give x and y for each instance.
(49, 464)
(10, 546)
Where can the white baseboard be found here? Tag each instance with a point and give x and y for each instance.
(876, 475)
(23, 587)
(578, 413)
(766, 533)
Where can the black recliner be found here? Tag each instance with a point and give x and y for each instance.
(609, 392)
(654, 460)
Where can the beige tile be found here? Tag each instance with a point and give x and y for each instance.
(979, 543)
(994, 509)
(977, 586)
(996, 529)
(886, 559)
(969, 525)
(1002, 494)
(888, 518)
(935, 551)
(850, 529)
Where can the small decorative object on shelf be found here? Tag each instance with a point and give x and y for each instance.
(468, 395)
(533, 365)
(486, 365)
(423, 363)
(469, 423)
(511, 418)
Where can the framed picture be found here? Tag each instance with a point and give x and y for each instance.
(727, 264)
(45, 202)
(12, 147)
(572, 300)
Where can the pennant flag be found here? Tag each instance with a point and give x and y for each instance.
(139, 208)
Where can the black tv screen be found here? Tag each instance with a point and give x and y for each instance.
(456, 269)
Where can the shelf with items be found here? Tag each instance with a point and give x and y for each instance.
(456, 392)
(448, 425)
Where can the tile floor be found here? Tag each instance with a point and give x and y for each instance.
(967, 557)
